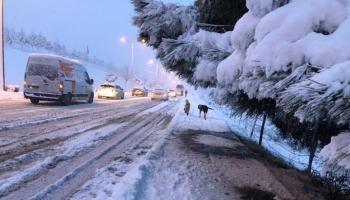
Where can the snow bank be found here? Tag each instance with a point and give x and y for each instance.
(194, 122)
(337, 154)
(11, 95)
(134, 184)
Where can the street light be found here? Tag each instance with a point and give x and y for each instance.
(151, 62)
(2, 66)
(124, 40)
(154, 62)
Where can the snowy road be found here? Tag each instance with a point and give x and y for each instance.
(49, 152)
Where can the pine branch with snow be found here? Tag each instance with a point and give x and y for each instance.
(157, 20)
(290, 52)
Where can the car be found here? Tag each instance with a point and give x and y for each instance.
(139, 92)
(110, 91)
(172, 94)
(55, 78)
(159, 94)
(12, 88)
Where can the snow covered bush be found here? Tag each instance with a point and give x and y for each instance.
(219, 15)
(196, 56)
(157, 20)
(337, 154)
(291, 53)
(294, 53)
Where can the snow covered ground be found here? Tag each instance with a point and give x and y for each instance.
(194, 159)
(129, 149)
(278, 146)
(48, 151)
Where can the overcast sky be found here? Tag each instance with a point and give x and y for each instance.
(98, 24)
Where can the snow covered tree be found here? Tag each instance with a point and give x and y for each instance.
(173, 30)
(288, 52)
(127, 74)
(112, 77)
(203, 49)
(10, 36)
(219, 15)
(22, 40)
(157, 20)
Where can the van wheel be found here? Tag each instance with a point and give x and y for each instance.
(34, 101)
(91, 98)
(67, 99)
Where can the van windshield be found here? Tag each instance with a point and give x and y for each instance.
(43, 70)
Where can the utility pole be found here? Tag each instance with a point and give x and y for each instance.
(132, 57)
(2, 66)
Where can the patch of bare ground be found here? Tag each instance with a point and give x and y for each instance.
(249, 170)
(298, 183)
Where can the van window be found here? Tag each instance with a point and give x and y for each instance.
(87, 78)
(43, 70)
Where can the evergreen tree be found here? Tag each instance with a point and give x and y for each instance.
(219, 15)
(157, 20)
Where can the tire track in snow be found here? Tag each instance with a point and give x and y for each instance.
(19, 134)
(55, 113)
(36, 173)
(38, 142)
(92, 160)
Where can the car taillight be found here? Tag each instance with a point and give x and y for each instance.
(61, 86)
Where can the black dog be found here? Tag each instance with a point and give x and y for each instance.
(204, 109)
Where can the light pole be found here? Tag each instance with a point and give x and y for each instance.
(132, 47)
(2, 66)
(152, 62)
(123, 40)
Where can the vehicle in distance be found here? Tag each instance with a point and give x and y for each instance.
(110, 91)
(179, 90)
(159, 94)
(172, 94)
(12, 88)
(139, 92)
(56, 78)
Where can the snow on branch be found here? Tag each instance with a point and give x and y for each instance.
(157, 20)
(203, 51)
(290, 53)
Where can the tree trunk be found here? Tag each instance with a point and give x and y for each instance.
(313, 148)
(253, 129)
(262, 130)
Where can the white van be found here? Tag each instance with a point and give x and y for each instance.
(55, 78)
